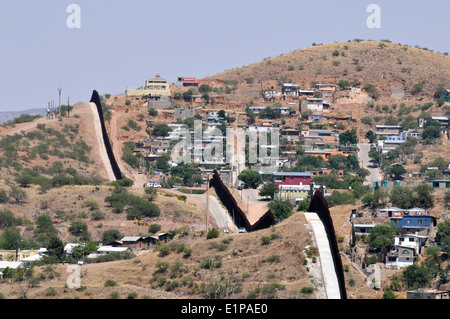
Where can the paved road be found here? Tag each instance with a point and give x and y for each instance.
(219, 213)
(364, 159)
(326, 259)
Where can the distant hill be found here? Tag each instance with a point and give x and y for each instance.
(378, 63)
(10, 115)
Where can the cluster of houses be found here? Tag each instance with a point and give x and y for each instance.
(307, 105)
(389, 137)
(127, 243)
(15, 259)
(415, 225)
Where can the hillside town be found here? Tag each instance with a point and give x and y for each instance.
(237, 157)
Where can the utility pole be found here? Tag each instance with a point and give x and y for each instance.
(248, 199)
(17, 250)
(59, 107)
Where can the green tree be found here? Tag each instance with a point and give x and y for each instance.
(402, 197)
(44, 225)
(303, 205)
(348, 136)
(308, 162)
(443, 235)
(10, 237)
(269, 190)
(55, 248)
(370, 135)
(18, 194)
(344, 83)
(251, 178)
(431, 131)
(7, 219)
(439, 93)
(161, 130)
(163, 162)
(375, 156)
(398, 171)
(204, 88)
(24, 180)
(281, 209)
(416, 276)
(388, 294)
(79, 229)
(187, 96)
(111, 235)
(423, 196)
(381, 236)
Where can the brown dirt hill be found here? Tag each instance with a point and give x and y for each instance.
(44, 141)
(378, 63)
(277, 269)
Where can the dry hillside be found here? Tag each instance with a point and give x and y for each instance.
(379, 63)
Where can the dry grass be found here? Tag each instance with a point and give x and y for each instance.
(382, 63)
(243, 257)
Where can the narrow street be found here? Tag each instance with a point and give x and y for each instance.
(364, 160)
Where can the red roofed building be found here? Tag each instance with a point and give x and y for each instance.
(187, 82)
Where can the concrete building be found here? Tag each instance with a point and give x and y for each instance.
(292, 178)
(156, 86)
(289, 89)
(187, 82)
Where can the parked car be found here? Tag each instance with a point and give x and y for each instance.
(242, 230)
(153, 185)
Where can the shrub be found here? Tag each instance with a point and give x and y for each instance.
(164, 250)
(213, 233)
(210, 264)
(273, 259)
(114, 295)
(132, 295)
(51, 292)
(153, 228)
(98, 215)
(110, 283)
(307, 290)
(187, 252)
(265, 240)
(372, 91)
(417, 88)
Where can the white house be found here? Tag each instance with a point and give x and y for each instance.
(363, 229)
(313, 104)
(9, 264)
(105, 250)
(69, 247)
(406, 249)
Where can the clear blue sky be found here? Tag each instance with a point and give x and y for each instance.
(122, 43)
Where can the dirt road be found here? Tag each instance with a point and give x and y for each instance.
(102, 149)
(139, 179)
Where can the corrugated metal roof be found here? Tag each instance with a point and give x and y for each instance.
(10, 264)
